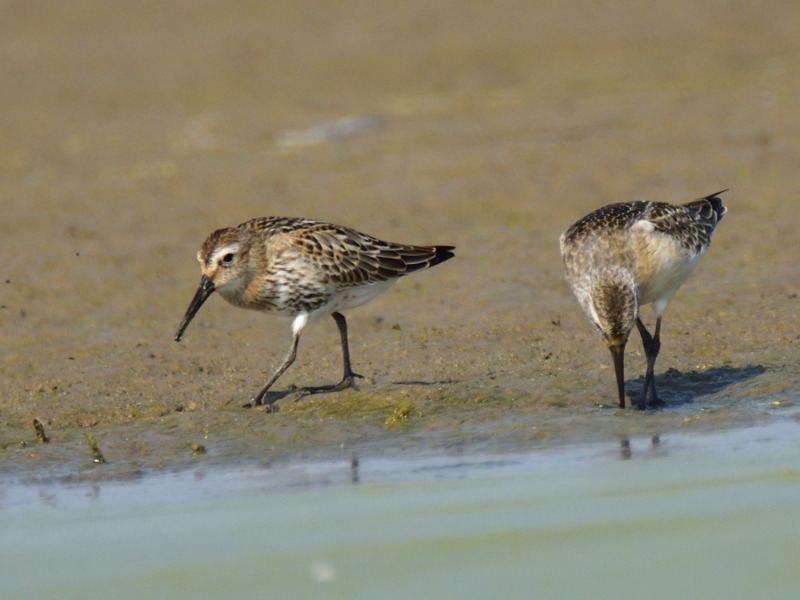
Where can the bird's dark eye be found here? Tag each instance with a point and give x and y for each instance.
(228, 258)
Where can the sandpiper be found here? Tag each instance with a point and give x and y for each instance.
(303, 269)
(626, 255)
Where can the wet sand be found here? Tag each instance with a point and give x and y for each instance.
(128, 134)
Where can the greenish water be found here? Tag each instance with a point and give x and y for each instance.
(704, 516)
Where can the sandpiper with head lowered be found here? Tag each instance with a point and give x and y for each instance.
(624, 256)
(303, 269)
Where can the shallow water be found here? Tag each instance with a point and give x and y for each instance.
(711, 516)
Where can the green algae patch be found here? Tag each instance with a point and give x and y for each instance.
(398, 417)
(350, 405)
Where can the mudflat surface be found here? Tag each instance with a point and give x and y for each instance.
(128, 132)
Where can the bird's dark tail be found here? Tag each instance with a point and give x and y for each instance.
(443, 253)
(398, 260)
(716, 204)
(709, 209)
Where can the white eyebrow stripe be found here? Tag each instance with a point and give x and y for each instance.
(229, 249)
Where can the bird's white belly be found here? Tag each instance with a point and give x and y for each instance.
(356, 296)
(662, 268)
(345, 298)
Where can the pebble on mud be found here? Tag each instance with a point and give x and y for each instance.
(97, 455)
(38, 427)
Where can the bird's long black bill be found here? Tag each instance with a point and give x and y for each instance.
(203, 292)
(618, 352)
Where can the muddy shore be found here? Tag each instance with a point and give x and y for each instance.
(128, 134)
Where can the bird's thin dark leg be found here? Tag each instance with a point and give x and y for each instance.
(655, 401)
(258, 399)
(618, 352)
(348, 380)
(652, 346)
